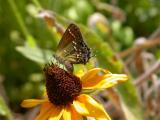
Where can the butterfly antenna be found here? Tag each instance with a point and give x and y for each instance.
(92, 55)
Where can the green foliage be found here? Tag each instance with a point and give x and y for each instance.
(4, 110)
(36, 54)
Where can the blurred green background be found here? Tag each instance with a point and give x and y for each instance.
(124, 36)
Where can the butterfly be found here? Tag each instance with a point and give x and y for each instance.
(72, 49)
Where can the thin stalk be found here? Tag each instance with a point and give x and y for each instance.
(18, 17)
(38, 5)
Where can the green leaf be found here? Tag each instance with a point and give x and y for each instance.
(35, 54)
(39, 56)
(4, 110)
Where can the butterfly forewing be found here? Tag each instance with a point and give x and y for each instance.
(72, 33)
(72, 49)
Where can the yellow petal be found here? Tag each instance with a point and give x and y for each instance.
(32, 102)
(91, 73)
(112, 80)
(48, 110)
(66, 114)
(91, 107)
(102, 119)
(75, 115)
(99, 81)
(56, 113)
(80, 107)
(71, 114)
(45, 111)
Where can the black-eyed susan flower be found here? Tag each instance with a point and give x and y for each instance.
(65, 98)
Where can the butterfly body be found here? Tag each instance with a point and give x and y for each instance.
(72, 49)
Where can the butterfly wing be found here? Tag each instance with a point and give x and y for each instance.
(72, 49)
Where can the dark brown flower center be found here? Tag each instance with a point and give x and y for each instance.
(62, 87)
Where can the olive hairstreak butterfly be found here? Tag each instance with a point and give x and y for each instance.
(72, 49)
